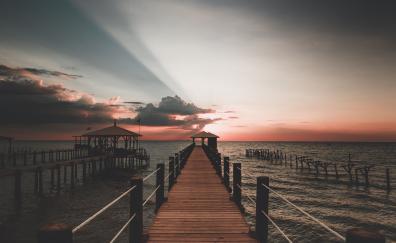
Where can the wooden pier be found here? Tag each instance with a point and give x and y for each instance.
(199, 208)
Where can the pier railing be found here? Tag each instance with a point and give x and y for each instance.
(21, 158)
(353, 170)
(261, 204)
(64, 233)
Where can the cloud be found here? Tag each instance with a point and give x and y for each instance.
(175, 112)
(134, 102)
(25, 101)
(233, 117)
(175, 105)
(16, 74)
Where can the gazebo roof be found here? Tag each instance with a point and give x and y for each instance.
(204, 134)
(111, 131)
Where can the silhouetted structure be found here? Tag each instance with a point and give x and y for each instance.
(9, 140)
(212, 139)
(107, 139)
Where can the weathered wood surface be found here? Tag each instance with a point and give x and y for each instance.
(199, 208)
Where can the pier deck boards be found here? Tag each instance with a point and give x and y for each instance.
(198, 208)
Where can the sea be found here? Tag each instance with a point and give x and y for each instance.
(338, 203)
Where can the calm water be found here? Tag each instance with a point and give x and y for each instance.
(337, 203)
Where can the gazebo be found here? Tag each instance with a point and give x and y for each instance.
(107, 139)
(212, 139)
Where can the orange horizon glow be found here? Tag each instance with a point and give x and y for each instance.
(357, 133)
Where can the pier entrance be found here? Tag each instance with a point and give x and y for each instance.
(199, 208)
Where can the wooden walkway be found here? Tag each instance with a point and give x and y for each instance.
(198, 208)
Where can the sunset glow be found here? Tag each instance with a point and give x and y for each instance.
(240, 70)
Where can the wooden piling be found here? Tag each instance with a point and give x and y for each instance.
(388, 181)
(160, 194)
(236, 189)
(18, 187)
(262, 195)
(84, 171)
(64, 174)
(72, 176)
(336, 171)
(58, 179)
(177, 165)
(226, 173)
(171, 171)
(136, 207)
(40, 181)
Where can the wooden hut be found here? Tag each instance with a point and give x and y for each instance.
(111, 139)
(212, 139)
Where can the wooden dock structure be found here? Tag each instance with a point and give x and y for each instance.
(199, 208)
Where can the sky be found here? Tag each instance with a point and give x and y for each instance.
(244, 69)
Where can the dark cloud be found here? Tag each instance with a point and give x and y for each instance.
(233, 117)
(30, 102)
(173, 111)
(229, 112)
(175, 105)
(21, 73)
(134, 102)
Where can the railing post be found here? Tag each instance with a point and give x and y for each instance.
(236, 190)
(218, 163)
(262, 206)
(388, 184)
(159, 195)
(177, 164)
(18, 187)
(136, 207)
(171, 171)
(227, 173)
(60, 233)
(359, 235)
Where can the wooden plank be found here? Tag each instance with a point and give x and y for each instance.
(199, 208)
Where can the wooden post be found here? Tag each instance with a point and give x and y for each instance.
(34, 157)
(177, 164)
(360, 235)
(2, 160)
(336, 170)
(171, 171)
(159, 195)
(84, 170)
(58, 179)
(388, 184)
(136, 207)
(40, 181)
(236, 190)
(52, 172)
(226, 173)
(218, 164)
(64, 174)
(25, 158)
(72, 175)
(59, 233)
(18, 188)
(14, 159)
(262, 195)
